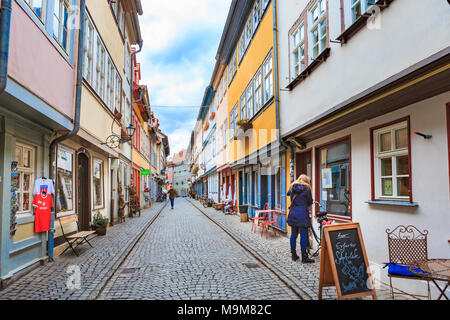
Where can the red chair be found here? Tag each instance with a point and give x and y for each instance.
(256, 221)
(272, 221)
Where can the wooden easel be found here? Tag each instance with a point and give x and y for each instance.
(329, 270)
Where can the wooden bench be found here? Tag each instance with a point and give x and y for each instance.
(74, 238)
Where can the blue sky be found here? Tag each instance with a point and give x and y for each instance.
(181, 38)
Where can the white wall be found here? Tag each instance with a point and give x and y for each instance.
(430, 184)
(411, 30)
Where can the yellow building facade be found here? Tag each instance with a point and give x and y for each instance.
(252, 108)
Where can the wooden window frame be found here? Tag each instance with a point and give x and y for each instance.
(317, 150)
(372, 157)
(43, 9)
(31, 171)
(59, 38)
(266, 76)
(258, 107)
(89, 51)
(102, 182)
(316, 25)
(74, 198)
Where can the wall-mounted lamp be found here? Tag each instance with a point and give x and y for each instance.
(425, 136)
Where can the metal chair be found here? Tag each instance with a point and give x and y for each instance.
(407, 245)
(271, 222)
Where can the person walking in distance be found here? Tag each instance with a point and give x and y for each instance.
(299, 220)
(172, 195)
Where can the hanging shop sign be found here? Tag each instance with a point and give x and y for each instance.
(145, 173)
(344, 263)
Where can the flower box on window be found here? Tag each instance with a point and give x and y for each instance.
(212, 116)
(245, 124)
(206, 127)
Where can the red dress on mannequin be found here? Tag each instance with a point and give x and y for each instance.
(43, 210)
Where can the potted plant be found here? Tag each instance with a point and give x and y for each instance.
(245, 124)
(100, 223)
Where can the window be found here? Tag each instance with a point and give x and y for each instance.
(225, 133)
(110, 86)
(256, 15)
(38, 8)
(318, 30)
(88, 51)
(60, 23)
(243, 108)
(241, 46)
(97, 182)
(248, 32)
(265, 3)
(392, 162)
(118, 92)
(100, 70)
(127, 64)
(334, 178)
(249, 101)
(232, 67)
(268, 79)
(233, 121)
(354, 9)
(257, 89)
(65, 180)
(298, 51)
(137, 134)
(22, 181)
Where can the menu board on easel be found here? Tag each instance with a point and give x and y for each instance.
(344, 263)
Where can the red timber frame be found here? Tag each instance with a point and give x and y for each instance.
(317, 176)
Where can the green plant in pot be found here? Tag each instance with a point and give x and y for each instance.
(100, 223)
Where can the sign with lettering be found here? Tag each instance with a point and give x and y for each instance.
(145, 173)
(344, 263)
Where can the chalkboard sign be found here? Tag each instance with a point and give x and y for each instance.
(344, 262)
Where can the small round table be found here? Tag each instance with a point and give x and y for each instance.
(435, 270)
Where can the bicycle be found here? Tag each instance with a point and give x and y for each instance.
(322, 219)
(207, 203)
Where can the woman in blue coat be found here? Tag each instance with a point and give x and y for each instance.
(299, 220)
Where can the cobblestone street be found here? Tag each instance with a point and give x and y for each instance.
(189, 253)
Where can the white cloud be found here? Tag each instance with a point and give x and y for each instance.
(164, 21)
(176, 66)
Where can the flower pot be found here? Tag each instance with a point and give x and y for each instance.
(101, 231)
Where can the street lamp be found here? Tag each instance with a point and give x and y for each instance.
(131, 130)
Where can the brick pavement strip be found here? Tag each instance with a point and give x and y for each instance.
(275, 254)
(96, 265)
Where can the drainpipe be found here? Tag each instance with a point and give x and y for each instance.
(76, 123)
(276, 69)
(132, 100)
(5, 30)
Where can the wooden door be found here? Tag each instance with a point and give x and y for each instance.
(303, 164)
(84, 206)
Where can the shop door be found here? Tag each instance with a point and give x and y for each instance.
(303, 164)
(112, 196)
(84, 212)
(264, 191)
